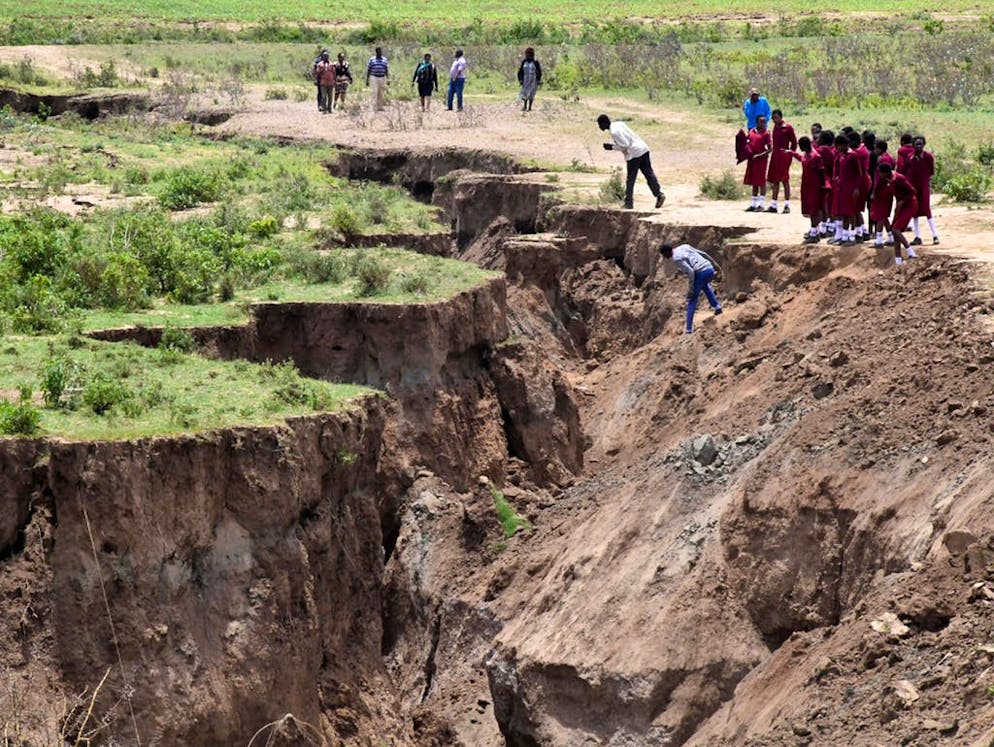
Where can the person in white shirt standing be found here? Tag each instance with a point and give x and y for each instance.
(700, 269)
(636, 154)
(457, 79)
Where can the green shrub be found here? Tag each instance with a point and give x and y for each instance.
(264, 227)
(724, 187)
(188, 187)
(277, 94)
(373, 275)
(102, 393)
(970, 186)
(613, 190)
(345, 221)
(61, 382)
(417, 284)
(321, 267)
(124, 283)
(21, 419)
(293, 389)
(178, 339)
(510, 521)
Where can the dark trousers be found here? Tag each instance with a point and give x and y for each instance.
(320, 96)
(635, 165)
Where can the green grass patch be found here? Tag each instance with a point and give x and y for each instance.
(510, 521)
(94, 390)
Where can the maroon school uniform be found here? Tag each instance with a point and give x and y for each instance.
(884, 158)
(755, 175)
(784, 143)
(865, 182)
(902, 156)
(907, 202)
(827, 153)
(813, 183)
(846, 184)
(882, 201)
(919, 169)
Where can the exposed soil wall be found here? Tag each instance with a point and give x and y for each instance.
(88, 106)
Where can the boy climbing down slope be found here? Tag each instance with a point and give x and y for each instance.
(700, 269)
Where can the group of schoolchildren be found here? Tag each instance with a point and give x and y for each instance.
(852, 188)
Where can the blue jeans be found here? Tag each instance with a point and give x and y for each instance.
(702, 282)
(455, 91)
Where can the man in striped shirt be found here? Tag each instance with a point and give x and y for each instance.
(377, 71)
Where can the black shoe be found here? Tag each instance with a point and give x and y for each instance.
(627, 206)
(935, 240)
(786, 209)
(917, 241)
(770, 209)
(809, 239)
(662, 198)
(718, 311)
(751, 209)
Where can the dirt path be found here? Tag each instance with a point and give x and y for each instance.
(685, 147)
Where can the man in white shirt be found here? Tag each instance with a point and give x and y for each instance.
(636, 154)
(699, 268)
(457, 79)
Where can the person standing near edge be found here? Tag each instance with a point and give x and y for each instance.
(426, 76)
(530, 78)
(457, 80)
(758, 148)
(377, 70)
(636, 154)
(754, 107)
(343, 79)
(784, 144)
(700, 269)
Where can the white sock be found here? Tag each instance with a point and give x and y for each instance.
(931, 227)
(911, 253)
(762, 200)
(890, 238)
(821, 226)
(754, 202)
(898, 261)
(813, 231)
(880, 238)
(838, 232)
(918, 234)
(786, 203)
(773, 204)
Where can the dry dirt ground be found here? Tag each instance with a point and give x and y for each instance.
(684, 147)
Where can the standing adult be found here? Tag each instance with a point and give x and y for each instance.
(758, 149)
(784, 144)
(636, 154)
(755, 106)
(457, 79)
(919, 168)
(377, 73)
(426, 76)
(700, 270)
(314, 75)
(343, 79)
(530, 78)
(324, 73)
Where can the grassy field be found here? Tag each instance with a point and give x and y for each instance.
(123, 391)
(446, 10)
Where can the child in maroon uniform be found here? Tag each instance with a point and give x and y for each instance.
(784, 143)
(758, 148)
(919, 168)
(905, 150)
(848, 177)
(890, 185)
(812, 187)
(876, 224)
(859, 149)
(827, 152)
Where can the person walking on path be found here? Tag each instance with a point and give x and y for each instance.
(784, 144)
(324, 73)
(457, 79)
(919, 168)
(530, 78)
(314, 75)
(426, 76)
(377, 72)
(755, 106)
(700, 269)
(636, 154)
(759, 143)
(343, 79)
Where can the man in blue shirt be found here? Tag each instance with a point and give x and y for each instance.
(377, 72)
(755, 106)
(700, 270)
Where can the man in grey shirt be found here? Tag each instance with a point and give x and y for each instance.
(699, 267)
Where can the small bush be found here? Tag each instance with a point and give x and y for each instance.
(613, 190)
(510, 521)
(178, 339)
(22, 419)
(264, 227)
(102, 393)
(971, 186)
(187, 188)
(418, 284)
(724, 187)
(293, 389)
(61, 382)
(373, 275)
(276, 94)
(345, 221)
